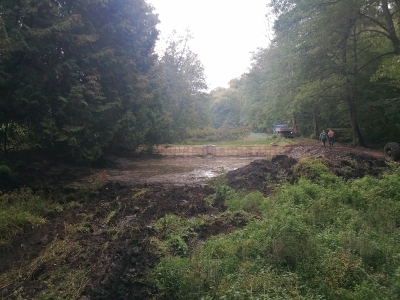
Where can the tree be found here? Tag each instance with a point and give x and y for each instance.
(226, 106)
(73, 74)
(336, 47)
(182, 89)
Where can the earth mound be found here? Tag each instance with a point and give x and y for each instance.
(257, 175)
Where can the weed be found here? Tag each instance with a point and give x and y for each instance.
(139, 193)
(21, 209)
(269, 158)
(174, 232)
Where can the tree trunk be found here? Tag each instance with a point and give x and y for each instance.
(328, 119)
(352, 115)
(315, 122)
(390, 27)
(360, 137)
(5, 137)
(295, 129)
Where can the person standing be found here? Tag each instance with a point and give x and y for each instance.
(323, 137)
(331, 137)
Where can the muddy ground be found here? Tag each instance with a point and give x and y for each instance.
(112, 229)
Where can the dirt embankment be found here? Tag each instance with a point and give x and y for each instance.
(111, 238)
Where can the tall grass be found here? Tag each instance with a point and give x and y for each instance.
(322, 238)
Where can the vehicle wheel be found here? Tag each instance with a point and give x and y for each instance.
(392, 151)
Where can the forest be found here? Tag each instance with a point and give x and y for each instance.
(81, 79)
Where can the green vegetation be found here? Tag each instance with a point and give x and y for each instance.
(322, 238)
(22, 209)
(63, 280)
(330, 65)
(65, 265)
(81, 79)
(175, 232)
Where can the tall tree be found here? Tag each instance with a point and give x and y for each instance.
(73, 74)
(183, 88)
(337, 46)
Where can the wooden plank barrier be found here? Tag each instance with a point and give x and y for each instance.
(213, 150)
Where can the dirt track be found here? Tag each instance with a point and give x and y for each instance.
(137, 197)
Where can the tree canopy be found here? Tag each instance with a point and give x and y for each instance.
(79, 79)
(74, 74)
(331, 64)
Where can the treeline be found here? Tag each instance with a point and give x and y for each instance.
(331, 64)
(79, 79)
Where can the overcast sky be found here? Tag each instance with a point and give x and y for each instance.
(225, 32)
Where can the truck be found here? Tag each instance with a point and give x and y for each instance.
(392, 151)
(283, 130)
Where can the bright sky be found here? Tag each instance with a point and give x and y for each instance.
(225, 32)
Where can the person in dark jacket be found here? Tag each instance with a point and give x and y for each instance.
(323, 137)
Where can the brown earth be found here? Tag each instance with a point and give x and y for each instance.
(115, 242)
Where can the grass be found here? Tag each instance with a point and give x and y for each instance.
(322, 238)
(62, 280)
(174, 233)
(22, 209)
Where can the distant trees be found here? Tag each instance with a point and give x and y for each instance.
(80, 78)
(226, 105)
(181, 90)
(330, 64)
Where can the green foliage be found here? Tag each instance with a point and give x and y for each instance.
(251, 203)
(321, 238)
(21, 209)
(175, 232)
(74, 78)
(315, 170)
(226, 107)
(317, 71)
(221, 134)
(5, 171)
(181, 89)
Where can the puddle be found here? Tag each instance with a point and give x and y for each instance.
(173, 170)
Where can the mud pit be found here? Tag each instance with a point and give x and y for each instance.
(178, 171)
(114, 244)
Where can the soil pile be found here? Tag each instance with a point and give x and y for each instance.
(257, 175)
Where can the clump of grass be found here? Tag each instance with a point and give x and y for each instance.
(21, 209)
(175, 232)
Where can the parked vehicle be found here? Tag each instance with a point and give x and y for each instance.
(283, 130)
(392, 151)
